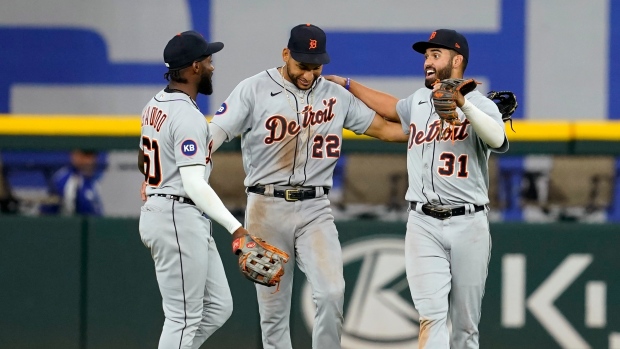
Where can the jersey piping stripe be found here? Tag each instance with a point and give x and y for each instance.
(297, 145)
(423, 147)
(172, 90)
(433, 173)
(433, 157)
(274, 80)
(308, 144)
(297, 135)
(182, 278)
(177, 100)
(487, 269)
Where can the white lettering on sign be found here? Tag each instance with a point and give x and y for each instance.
(541, 302)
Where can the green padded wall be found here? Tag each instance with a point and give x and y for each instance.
(40, 282)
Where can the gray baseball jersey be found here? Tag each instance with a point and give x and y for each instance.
(283, 149)
(440, 171)
(174, 134)
(280, 146)
(446, 259)
(195, 293)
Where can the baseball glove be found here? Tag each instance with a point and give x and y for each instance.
(444, 98)
(506, 102)
(259, 261)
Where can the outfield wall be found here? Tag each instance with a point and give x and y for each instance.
(90, 283)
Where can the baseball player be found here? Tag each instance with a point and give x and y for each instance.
(176, 160)
(447, 246)
(290, 120)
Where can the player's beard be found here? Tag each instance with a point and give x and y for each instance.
(205, 86)
(295, 77)
(441, 74)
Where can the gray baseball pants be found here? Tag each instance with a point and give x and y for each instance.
(446, 265)
(195, 293)
(306, 231)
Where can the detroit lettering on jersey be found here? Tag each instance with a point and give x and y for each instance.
(278, 125)
(434, 133)
(154, 117)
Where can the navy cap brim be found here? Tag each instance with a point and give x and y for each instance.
(422, 46)
(311, 58)
(214, 47)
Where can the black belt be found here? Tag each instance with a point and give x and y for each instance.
(180, 199)
(444, 212)
(289, 194)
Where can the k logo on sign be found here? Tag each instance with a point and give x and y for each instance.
(378, 310)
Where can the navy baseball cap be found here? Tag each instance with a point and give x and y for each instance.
(445, 38)
(308, 44)
(187, 47)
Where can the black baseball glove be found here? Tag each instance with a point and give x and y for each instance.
(506, 102)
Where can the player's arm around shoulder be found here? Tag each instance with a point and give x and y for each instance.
(386, 130)
(381, 102)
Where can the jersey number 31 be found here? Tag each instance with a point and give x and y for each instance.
(449, 164)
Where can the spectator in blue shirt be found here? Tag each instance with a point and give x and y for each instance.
(8, 202)
(76, 186)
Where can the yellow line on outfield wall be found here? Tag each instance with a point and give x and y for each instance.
(129, 125)
(597, 130)
(44, 125)
(580, 130)
(539, 131)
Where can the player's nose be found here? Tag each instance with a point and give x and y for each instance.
(308, 75)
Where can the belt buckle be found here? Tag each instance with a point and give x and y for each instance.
(441, 213)
(289, 192)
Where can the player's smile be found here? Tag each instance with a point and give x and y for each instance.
(303, 83)
(430, 72)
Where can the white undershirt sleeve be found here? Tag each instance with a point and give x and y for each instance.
(206, 198)
(219, 136)
(487, 129)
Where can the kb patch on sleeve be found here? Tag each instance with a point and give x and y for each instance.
(222, 109)
(188, 147)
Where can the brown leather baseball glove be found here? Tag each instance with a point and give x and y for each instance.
(259, 261)
(444, 98)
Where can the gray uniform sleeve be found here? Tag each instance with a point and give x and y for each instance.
(233, 114)
(359, 116)
(403, 108)
(189, 136)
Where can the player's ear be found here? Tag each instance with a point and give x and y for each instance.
(457, 61)
(196, 66)
(286, 53)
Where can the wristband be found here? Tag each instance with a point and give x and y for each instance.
(347, 85)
